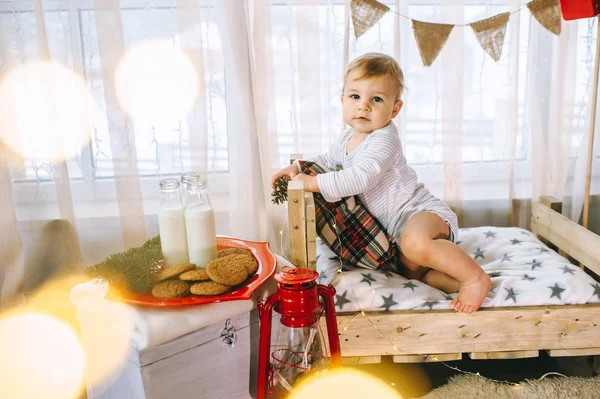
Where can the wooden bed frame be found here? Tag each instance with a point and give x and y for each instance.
(415, 336)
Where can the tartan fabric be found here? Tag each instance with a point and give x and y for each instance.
(349, 229)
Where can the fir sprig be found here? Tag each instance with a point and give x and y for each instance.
(280, 192)
(132, 270)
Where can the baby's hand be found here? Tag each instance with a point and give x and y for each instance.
(291, 171)
(310, 182)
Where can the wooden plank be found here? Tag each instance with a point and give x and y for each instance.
(294, 157)
(575, 240)
(400, 333)
(436, 357)
(311, 231)
(551, 202)
(297, 223)
(503, 355)
(356, 360)
(574, 352)
(556, 205)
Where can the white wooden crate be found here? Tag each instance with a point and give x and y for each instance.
(201, 364)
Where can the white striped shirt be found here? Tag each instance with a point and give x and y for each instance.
(378, 173)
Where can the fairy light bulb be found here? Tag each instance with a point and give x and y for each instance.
(344, 383)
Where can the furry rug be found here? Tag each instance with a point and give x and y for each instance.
(470, 386)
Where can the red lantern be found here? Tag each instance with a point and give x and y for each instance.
(299, 347)
(577, 9)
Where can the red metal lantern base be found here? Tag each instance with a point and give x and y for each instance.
(297, 301)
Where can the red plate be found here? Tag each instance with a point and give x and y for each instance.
(266, 267)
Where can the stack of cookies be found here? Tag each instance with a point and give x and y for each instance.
(230, 269)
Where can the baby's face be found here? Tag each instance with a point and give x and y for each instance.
(369, 104)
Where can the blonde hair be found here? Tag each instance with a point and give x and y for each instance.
(375, 65)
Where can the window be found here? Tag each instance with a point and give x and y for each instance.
(165, 150)
(72, 37)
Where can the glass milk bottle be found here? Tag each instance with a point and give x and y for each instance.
(171, 223)
(185, 178)
(200, 224)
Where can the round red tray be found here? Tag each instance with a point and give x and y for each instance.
(266, 267)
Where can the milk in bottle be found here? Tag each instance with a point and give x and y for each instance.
(200, 224)
(171, 224)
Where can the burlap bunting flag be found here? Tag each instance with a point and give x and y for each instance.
(548, 13)
(365, 14)
(430, 39)
(490, 34)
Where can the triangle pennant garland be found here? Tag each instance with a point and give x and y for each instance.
(490, 34)
(430, 39)
(365, 14)
(547, 13)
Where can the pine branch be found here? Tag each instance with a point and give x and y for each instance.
(280, 193)
(132, 270)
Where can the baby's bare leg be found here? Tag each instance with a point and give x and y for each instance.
(441, 281)
(423, 242)
(434, 278)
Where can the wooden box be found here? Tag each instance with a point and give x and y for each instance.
(213, 362)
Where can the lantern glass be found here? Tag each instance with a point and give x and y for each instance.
(296, 353)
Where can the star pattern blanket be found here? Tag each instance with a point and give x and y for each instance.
(524, 272)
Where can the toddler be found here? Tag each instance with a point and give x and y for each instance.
(367, 160)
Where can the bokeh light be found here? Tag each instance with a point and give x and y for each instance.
(156, 82)
(103, 329)
(46, 111)
(344, 383)
(41, 358)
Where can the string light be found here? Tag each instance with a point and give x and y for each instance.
(363, 314)
(281, 240)
(513, 384)
(469, 24)
(340, 271)
(551, 373)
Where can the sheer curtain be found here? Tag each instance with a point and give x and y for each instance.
(478, 133)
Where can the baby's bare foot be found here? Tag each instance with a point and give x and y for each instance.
(472, 293)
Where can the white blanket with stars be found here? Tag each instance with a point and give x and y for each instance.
(523, 270)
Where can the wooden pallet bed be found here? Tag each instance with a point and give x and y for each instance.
(442, 335)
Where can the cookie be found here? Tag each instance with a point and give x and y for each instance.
(247, 260)
(174, 271)
(195, 275)
(231, 251)
(170, 289)
(209, 288)
(228, 270)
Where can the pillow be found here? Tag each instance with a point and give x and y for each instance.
(349, 229)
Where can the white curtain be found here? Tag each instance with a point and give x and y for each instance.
(479, 133)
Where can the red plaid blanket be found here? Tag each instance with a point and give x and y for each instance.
(349, 229)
